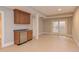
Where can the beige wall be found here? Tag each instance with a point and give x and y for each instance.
(41, 27)
(0, 27)
(9, 27)
(35, 19)
(76, 26)
(69, 26)
(48, 25)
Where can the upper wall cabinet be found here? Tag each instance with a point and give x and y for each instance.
(21, 17)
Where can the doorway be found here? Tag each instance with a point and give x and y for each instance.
(0, 30)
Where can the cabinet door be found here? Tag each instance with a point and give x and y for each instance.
(16, 17)
(21, 18)
(23, 36)
(29, 35)
(16, 37)
(28, 18)
(25, 18)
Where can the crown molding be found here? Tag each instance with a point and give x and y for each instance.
(60, 15)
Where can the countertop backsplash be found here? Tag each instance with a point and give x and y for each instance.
(22, 26)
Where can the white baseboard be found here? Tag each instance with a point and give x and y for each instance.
(56, 34)
(41, 33)
(8, 44)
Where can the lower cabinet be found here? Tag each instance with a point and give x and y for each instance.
(29, 35)
(22, 36)
(16, 37)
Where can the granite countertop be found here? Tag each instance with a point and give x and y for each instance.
(22, 30)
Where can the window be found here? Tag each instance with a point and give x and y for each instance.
(62, 27)
(59, 26)
(55, 26)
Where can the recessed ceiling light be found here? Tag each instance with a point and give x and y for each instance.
(59, 9)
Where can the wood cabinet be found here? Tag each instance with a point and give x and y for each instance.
(22, 36)
(16, 17)
(29, 35)
(21, 17)
(16, 37)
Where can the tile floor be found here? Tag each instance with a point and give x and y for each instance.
(46, 43)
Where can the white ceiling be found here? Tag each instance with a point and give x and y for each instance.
(47, 10)
(53, 10)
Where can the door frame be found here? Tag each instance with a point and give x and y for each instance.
(3, 29)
